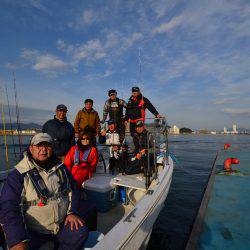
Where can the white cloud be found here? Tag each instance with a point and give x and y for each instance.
(48, 62)
(237, 111)
(166, 27)
(29, 54)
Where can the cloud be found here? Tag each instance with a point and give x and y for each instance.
(242, 112)
(166, 27)
(46, 63)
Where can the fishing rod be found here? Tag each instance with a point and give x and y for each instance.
(17, 116)
(4, 132)
(10, 121)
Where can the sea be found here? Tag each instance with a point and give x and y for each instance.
(194, 156)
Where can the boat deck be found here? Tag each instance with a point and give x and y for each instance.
(226, 223)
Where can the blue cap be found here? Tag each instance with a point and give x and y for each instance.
(61, 107)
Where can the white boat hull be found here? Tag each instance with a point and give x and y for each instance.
(134, 229)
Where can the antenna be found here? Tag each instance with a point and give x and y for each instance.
(140, 73)
(10, 121)
(17, 116)
(4, 131)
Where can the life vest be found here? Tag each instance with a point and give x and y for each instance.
(43, 192)
(137, 111)
(115, 110)
(85, 157)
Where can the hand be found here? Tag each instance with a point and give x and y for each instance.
(76, 135)
(20, 246)
(143, 151)
(103, 132)
(158, 116)
(125, 123)
(138, 156)
(115, 148)
(73, 219)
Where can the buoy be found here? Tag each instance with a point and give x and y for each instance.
(227, 145)
(228, 162)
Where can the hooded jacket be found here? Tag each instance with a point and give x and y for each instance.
(87, 118)
(18, 190)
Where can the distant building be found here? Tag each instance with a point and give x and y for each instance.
(225, 130)
(213, 132)
(174, 130)
(235, 129)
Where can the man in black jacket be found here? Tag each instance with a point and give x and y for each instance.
(61, 131)
(136, 109)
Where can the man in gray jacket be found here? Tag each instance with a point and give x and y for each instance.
(39, 202)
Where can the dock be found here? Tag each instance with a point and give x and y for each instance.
(223, 220)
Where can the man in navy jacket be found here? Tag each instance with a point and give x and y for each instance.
(39, 202)
(61, 131)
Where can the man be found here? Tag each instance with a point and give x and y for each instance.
(114, 108)
(111, 138)
(39, 202)
(87, 119)
(61, 131)
(136, 107)
(143, 147)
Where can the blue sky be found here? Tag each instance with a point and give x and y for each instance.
(195, 56)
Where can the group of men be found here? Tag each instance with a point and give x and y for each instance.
(87, 119)
(40, 201)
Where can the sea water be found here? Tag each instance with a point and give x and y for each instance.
(194, 158)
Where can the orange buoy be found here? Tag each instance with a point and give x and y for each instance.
(228, 162)
(227, 145)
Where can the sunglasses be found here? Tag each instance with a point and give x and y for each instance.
(85, 139)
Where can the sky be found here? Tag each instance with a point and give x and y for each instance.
(190, 58)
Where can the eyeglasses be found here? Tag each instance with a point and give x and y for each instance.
(43, 146)
(85, 139)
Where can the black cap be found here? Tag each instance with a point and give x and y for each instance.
(61, 107)
(110, 122)
(139, 124)
(89, 100)
(112, 92)
(135, 89)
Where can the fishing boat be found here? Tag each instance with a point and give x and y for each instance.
(128, 205)
(126, 218)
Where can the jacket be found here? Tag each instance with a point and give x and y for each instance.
(136, 108)
(85, 118)
(114, 109)
(84, 170)
(19, 190)
(62, 134)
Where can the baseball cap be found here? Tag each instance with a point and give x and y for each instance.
(112, 92)
(110, 122)
(139, 123)
(40, 137)
(135, 89)
(61, 107)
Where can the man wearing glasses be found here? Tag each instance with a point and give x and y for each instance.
(39, 202)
